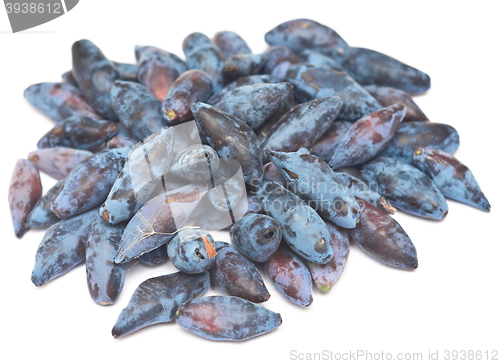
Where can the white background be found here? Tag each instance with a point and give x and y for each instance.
(450, 302)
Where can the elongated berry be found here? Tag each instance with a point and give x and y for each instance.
(381, 237)
(105, 278)
(62, 247)
(24, 192)
(326, 275)
(89, 183)
(157, 300)
(405, 187)
(291, 277)
(224, 318)
(453, 178)
(368, 136)
(237, 276)
(303, 229)
(315, 182)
